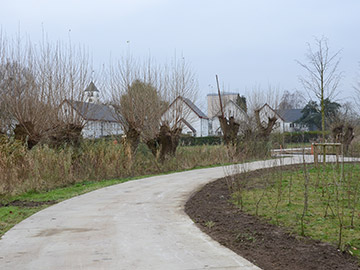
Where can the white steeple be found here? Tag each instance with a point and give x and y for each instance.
(92, 94)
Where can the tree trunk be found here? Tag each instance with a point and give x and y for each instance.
(230, 129)
(131, 144)
(25, 133)
(265, 132)
(165, 143)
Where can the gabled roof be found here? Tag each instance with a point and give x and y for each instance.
(195, 108)
(192, 106)
(91, 88)
(276, 113)
(226, 104)
(188, 125)
(290, 115)
(93, 111)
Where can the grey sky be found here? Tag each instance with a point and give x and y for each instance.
(247, 43)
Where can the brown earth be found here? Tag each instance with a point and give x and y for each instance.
(27, 203)
(268, 246)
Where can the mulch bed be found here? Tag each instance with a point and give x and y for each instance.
(268, 246)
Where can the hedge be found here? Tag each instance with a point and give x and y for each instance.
(192, 141)
(286, 137)
(303, 137)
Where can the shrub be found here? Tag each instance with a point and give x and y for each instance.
(298, 137)
(192, 141)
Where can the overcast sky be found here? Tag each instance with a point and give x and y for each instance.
(247, 43)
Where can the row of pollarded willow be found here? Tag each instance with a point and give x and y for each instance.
(36, 78)
(33, 82)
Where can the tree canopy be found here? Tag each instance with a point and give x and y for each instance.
(312, 114)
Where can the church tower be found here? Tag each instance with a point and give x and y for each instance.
(92, 94)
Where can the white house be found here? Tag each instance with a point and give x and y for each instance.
(289, 117)
(191, 119)
(266, 112)
(231, 109)
(213, 102)
(286, 119)
(99, 119)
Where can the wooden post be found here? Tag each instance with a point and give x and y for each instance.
(338, 152)
(315, 155)
(221, 107)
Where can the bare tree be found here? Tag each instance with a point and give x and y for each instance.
(22, 103)
(229, 125)
(294, 100)
(258, 96)
(357, 93)
(180, 88)
(264, 126)
(136, 93)
(256, 123)
(262, 114)
(34, 82)
(179, 81)
(322, 79)
(141, 92)
(343, 126)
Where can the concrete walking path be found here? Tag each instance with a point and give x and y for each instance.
(137, 225)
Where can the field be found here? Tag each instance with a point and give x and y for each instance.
(322, 203)
(260, 216)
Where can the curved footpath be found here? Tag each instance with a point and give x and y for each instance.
(138, 225)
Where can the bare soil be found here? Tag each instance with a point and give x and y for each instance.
(268, 246)
(27, 203)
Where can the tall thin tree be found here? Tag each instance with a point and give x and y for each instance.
(322, 78)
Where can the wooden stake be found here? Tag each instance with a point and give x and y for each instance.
(218, 87)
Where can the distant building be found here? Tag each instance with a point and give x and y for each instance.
(231, 109)
(289, 117)
(286, 119)
(213, 102)
(92, 93)
(192, 120)
(99, 119)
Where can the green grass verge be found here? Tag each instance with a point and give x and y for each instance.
(11, 215)
(333, 199)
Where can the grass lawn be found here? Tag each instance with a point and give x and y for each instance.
(333, 202)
